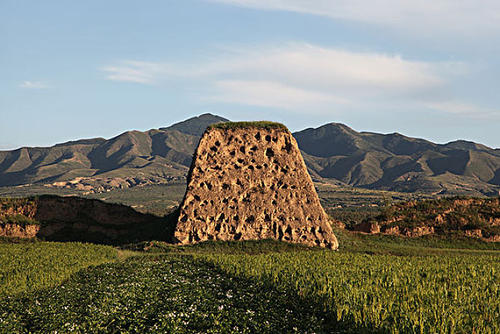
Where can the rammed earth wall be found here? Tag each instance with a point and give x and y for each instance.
(251, 183)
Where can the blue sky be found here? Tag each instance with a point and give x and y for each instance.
(80, 69)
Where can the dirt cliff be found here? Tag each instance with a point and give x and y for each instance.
(249, 181)
(473, 217)
(78, 219)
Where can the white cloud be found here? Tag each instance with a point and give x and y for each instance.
(462, 16)
(297, 76)
(134, 71)
(464, 109)
(33, 85)
(271, 94)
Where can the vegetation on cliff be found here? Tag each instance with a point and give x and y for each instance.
(476, 217)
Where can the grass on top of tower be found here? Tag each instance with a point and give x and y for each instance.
(246, 125)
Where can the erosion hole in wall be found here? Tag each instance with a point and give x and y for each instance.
(217, 227)
(237, 236)
(251, 167)
(242, 149)
(196, 197)
(213, 148)
(217, 143)
(221, 217)
(268, 138)
(225, 201)
(232, 153)
(184, 218)
(287, 147)
(236, 166)
(253, 148)
(250, 219)
(226, 186)
(267, 217)
(280, 234)
(236, 218)
(241, 160)
(257, 136)
(269, 152)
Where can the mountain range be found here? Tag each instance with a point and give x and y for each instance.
(332, 152)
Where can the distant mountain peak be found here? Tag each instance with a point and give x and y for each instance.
(196, 125)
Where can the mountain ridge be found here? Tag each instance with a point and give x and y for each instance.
(333, 152)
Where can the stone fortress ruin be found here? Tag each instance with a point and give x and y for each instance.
(249, 181)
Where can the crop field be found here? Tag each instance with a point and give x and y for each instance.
(383, 292)
(251, 287)
(31, 266)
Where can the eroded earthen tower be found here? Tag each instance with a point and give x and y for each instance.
(249, 181)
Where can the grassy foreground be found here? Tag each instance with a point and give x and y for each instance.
(427, 294)
(31, 266)
(255, 287)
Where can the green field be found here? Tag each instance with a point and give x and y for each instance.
(372, 285)
(31, 266)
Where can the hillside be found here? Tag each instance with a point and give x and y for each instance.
(333, 153)
(132, 158)
(399, 163)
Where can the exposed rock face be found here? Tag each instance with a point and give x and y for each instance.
(18, 231)
(472, 217)
(251, 183)
(367, 227)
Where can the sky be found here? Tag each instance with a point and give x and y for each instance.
(84, 69)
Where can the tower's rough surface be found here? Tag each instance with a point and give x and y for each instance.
(250, 183)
